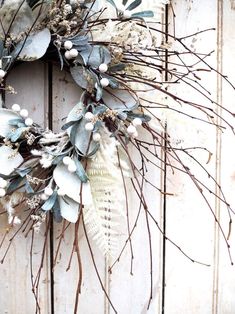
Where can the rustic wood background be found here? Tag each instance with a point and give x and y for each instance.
(180, 287)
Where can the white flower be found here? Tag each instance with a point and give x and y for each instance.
(46, 160)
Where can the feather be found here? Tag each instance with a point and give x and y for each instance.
(104, 217)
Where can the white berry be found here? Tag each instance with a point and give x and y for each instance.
(73, 53)
(127, 14)
(61, 192)
(16, 108)
(67, 160)
(89, 116)
(103, 68)
(96, 137)
(44, 197)
(24, 113)
(28, 122)
(137, 122)
(104, 82)
(131, 129)
(2, 73)
(67, 55)
(2, 192)
(68, 45)
(89, 126)
(135, 134)
(48, 191)
(72, 167)
(3, 183)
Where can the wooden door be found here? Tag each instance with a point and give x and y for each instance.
(180, 286)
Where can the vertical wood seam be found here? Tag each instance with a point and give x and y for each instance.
(218, 157)
(164, 208)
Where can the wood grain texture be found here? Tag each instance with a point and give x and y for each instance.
(16, 290)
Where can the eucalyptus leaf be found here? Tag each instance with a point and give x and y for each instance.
(81, 171)
(70, 123)
(134, 5)
(69, 209)
(37, 47)
(112, 3)
(15, 183)
(50, 202)
(9, 160)
(96, 55)
(57, 212)
(16, 134)
(120, 99)
(143, 117)
(71, 185)
(117, 67)
(83, 77)
(6, 115)
(143, 14)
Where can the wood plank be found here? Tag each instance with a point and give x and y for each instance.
(189, 286)
(16, 290)
(65, 96)
(225, 287)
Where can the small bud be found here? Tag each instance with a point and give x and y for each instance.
(67, 55)
(24, 113)
(2, 74)
(73, 53)
(44, 197)
(72, 167)
(16, 108)
(48, 191)
(68, 45)
(89, 126)
(67, 160)
(131, 129)
(89, 116)
(103, 68)
(3, 183)
(104, 82)
(28, 122)
(96, 137)
(137, 122)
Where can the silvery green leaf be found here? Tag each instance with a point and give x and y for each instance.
(15, 184)
(71, 185)
(100, 109)
(83, 77)
(117, 67)
(37, 47)
(50, 202)
(96, 55)
(69, 209)
(134, 5)
(23, 171)
(97, 126)
(83, 139)
(70, 123)
(16, 134)
(5, 116)
(9, 160)
(56, 211)
(120, 99)
(99, 93)
(16, 122)
(124, 2)
(143, 14)
(81, 171)
(28, 188)
(23, 17)
(143, 117)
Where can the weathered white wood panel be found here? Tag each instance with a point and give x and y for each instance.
(192, 288)
(30, 83)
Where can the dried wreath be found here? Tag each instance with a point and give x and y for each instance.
(117, 62)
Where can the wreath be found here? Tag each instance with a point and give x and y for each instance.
(81, 174)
